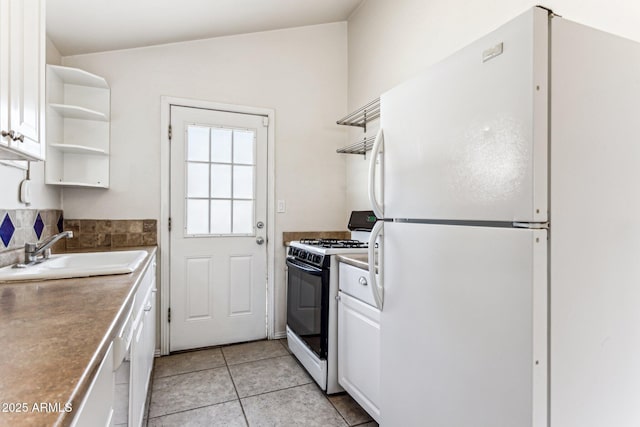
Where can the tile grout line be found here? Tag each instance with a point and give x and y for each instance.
(258, 360)
(280, 389)
(222, 366)
(265, 358)
(150, 391)
(330, 402)
(191, 372)
(285, 347)
(344, 418)
(235, 389)
(336, 409)
(274, 391)
(192, 409)
(239, 400)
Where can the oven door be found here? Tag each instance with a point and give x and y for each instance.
(308, 305)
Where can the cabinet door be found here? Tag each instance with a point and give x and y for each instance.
(359, 352)
(4, 70)
(149, 337)
(97, 407)
(137, 385)
(150, 321)
(22, 100)
(143, 349)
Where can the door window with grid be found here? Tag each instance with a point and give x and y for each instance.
(220, 181)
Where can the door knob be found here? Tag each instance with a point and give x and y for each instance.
(260, 240)
(11, 134)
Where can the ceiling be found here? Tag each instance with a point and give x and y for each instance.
(85, 26)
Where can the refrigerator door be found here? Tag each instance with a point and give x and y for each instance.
(464, 326)
(467, 139)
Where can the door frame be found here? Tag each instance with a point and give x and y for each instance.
(166, 102)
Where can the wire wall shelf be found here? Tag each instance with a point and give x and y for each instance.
(362, 115)
(360, 147)
(360, 118)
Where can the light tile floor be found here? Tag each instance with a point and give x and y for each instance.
(252, 384)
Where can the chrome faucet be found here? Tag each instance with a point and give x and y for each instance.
(32, 250)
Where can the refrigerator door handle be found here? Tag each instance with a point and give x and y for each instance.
(375, 150)
(376, 282)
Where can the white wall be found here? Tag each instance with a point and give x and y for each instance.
(44, 197)
(300, 72)
(391, 41)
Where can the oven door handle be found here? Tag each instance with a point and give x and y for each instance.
(307, 269)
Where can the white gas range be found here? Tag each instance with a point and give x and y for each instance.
(312, 288)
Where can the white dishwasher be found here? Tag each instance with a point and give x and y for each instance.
(359, 339)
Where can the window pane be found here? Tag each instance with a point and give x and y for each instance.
(221, 217)
(242, 217)
(197, 180)
(197, 216)
(221, 181)
(243, 182)
(198, 143)
(243, 146)
(221, 145)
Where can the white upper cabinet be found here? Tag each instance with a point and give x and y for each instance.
(22, 60)
(78, 109)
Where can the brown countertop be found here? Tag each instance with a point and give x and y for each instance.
(53, 335)
(357, 260)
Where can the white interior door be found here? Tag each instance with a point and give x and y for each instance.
(218, 231)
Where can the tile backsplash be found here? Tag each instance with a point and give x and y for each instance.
(20, 226)
(111, 233)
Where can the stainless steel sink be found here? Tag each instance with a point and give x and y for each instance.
(76, 265)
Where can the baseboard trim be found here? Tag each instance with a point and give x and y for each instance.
(280, 335)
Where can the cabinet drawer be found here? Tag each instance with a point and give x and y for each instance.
(355, 282)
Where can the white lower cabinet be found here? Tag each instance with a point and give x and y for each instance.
(97, 407)
(359, 352)
(142, 352)
(137, 387)
(128, 360)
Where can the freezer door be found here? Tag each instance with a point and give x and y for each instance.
(464, 326)
(467, 139)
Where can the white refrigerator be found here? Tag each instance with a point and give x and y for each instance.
(509, 273)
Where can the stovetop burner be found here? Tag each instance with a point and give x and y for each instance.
(335, 243)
